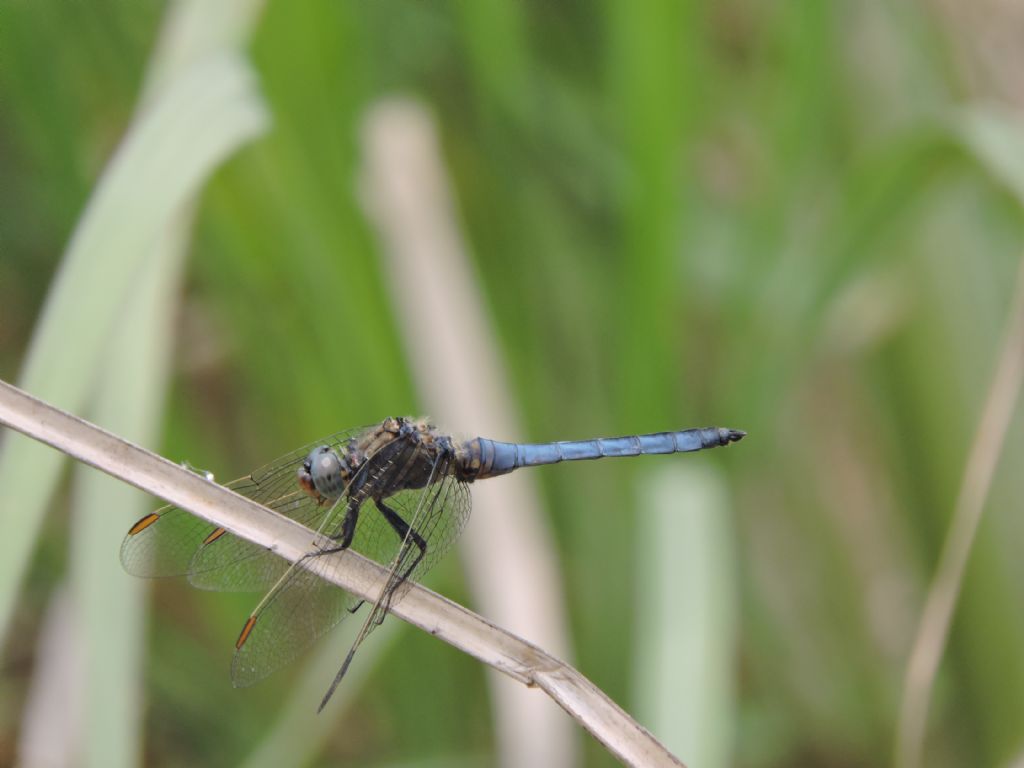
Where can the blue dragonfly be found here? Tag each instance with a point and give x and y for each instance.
(396, 492)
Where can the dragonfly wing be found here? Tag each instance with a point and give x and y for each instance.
(163, 542)
(173, 542)
(299, 610)
(228, 563)
(305, 604)
(438, 514)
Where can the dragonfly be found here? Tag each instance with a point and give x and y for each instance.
(396, 492)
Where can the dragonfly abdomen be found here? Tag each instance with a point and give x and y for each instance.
(488, 458)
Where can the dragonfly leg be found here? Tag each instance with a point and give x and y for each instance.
(403, 529)
(348, 526)
(348, 531)
(344, 539)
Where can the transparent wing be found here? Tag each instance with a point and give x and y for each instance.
(302, 605)
(437, 514)
(173, 542)
(292, 615)
(305, 604)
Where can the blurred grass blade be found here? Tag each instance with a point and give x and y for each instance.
(686, 614)
(940, 604)
(195, 29)
(176, 142)
(43, 737)
(130, 398)
(108, 605)
(651, 57)
(996, 138)
(464, 386)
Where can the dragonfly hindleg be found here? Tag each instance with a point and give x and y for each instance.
(403, 529)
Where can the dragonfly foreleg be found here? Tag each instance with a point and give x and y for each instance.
(326, 543)
(344, 539)
(348, 529)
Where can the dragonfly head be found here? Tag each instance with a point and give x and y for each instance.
(324, 474)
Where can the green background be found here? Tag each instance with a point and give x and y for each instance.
(789, 217)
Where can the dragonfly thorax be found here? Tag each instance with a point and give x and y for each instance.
(324, 474)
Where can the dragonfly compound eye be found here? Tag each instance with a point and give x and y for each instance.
(327, 472)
